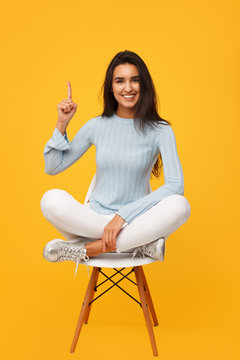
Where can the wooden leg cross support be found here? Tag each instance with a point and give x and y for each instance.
(144, 294)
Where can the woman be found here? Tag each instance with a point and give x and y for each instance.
(131, 140)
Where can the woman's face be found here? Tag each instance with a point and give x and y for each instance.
(126, 86)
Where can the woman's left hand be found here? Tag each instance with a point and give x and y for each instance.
(110, 233)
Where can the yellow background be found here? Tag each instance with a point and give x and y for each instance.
(192, 51)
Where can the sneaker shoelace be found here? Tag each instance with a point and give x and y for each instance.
(73, 253)
(143, 249)
(139, 251)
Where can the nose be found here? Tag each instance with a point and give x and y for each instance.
(128, 86)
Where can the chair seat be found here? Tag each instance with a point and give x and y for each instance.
(117, 260)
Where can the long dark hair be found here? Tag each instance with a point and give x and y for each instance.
(146, 108)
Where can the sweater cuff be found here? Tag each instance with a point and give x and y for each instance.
(59, 141)
(125, 216)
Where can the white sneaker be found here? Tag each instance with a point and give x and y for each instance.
(155, 249)
(60, 250)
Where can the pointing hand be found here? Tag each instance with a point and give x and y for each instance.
(66, 109)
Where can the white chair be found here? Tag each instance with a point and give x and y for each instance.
(115, 261)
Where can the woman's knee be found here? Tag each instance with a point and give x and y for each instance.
(51, 200)
(181, 206)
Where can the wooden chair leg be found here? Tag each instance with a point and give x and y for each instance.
(140, 285)
(82, 316)
(91, 296)
(149, 298)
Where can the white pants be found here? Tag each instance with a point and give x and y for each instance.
(75, 220)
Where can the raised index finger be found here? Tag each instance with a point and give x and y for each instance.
(69, 90)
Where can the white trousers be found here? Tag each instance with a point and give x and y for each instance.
(75, 220)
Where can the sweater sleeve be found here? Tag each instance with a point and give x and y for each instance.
(173, 178)
(59, 153)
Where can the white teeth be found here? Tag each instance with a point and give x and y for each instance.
(128, 96)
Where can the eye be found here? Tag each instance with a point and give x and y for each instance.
(120, 81)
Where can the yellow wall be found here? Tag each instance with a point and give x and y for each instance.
(191, 49)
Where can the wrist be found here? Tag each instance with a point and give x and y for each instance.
(120, 218)
(61, 128)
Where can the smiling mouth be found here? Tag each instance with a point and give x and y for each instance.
(128, 97)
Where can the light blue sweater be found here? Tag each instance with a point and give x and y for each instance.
(124, 159)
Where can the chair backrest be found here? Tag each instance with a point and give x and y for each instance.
(92, 185)
(90, 189)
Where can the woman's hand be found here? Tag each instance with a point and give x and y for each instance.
(66, 110)
(110, 233)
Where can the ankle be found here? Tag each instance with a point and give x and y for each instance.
(95, 248)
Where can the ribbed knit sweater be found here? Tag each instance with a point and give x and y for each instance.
(124, 160)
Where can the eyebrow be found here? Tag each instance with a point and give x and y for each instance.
(133, 77)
